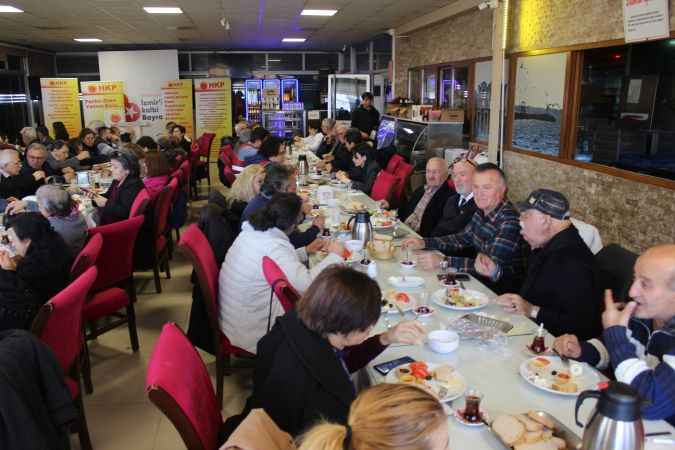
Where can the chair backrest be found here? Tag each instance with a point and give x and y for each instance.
(403, 172)
(59, 321)
(229, 175)
(115, 263)
(185, 176)
(198, 249)
(87, 256)
(393, 163)
(277, 279)
(178, 383)
(614, 270)
(205, 142)
(163, 207)
(140, 203)
(384, 185)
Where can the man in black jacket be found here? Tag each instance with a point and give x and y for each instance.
(365, 117)
(460, 206)
(12, 182)
(559, 289)
(424, 209)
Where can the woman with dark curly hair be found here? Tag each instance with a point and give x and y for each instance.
(115, 204)
(38, 269)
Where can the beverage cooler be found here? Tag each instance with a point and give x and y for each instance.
(290, 92)
(253, 90)
(271, 95)
(344, 95)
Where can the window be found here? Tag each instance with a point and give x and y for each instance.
(382, 51)
(200, 62)
(415, 85)
(454, 87)
(321, 61)
(538, 101)
(626, 116)
(429, 88)
(183, 62)
(284, 61)
(76, 64)
(363, 59)
(482, 92)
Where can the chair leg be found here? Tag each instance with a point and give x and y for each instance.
(82, 428)
(131, 323)
(167, 269)
(158, 283)
(177, 234)
(86, 369)
(222, 366)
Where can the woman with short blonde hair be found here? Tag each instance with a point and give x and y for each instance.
(385, 417)
(247, 184)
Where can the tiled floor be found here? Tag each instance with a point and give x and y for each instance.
(119, 415)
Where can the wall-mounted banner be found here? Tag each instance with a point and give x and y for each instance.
(213, 100)
(645, 20)
(177, 99)
(61, 103)
(104, 101)
(152, 108)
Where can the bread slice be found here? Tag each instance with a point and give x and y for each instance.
(540, 445)
(533, 436)
(560, 443)
(508, 428)
(565, 387)
(545, 421)
(530, 425)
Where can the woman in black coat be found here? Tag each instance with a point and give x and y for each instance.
(304, 364)
(115, 204)
(365, 170)
(39, 270)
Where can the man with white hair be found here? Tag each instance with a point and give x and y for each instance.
(36, 163)
(28, 136)
(57, 206)
(460, 206)
(12, 182)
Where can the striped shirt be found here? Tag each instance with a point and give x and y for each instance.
(496, 234)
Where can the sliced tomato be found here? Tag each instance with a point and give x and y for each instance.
(346, 253)
(402, 297)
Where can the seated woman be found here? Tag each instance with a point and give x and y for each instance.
(39, 269)
(244, 295)
(329, 140)
(244, 189)
(365, 170)
(381, 418)
(314, 137)
(304, 363)
(156, 172)
(115, 204)
(271, 150)
(57, 206)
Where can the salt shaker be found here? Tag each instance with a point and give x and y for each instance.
(372, 270)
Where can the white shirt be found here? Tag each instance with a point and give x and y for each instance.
(313, 142)
(464, 198)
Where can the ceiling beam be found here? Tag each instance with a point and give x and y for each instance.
(440, 14)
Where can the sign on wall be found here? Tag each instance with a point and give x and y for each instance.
(177, 100)
(645, 20)
(213, 100)
(60, 103)
(103, 101)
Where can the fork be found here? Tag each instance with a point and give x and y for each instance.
(565, 360)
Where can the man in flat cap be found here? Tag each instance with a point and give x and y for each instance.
(559, 289)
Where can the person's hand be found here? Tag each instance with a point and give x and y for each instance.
(567, 345)
(429, 260)
(614, 314)
(319, 222)
(39, 175)
(329, 167)
(485, 266)
(406, 332)
(514, 303)
(84, 154)
(335, 247)
(365, 135)
(413, 243)
(306, 207)
(16, 207)
(342, 176)
(383, 204)
(99, 200)
(297, 139)
(315, 246)
(7, 262)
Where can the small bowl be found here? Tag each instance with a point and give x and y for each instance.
(354, 245)
(408, 265)
(424, 311)
(443, 341)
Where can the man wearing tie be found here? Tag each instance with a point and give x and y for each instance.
(459, 207)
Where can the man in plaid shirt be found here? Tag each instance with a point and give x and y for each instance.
(494, 232)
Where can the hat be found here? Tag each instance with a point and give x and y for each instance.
(549, 202)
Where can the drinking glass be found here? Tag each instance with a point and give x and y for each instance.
(472, 399)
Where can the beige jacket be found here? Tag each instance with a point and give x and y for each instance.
(258, 432)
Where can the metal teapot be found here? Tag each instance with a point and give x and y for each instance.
(362, 229)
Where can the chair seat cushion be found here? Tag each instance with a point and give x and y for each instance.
(104, 303)
(72, 387)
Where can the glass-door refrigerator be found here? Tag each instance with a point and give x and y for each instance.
(253, 89)
(271, 95)
(290, 92)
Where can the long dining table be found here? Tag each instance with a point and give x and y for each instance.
(492, 369)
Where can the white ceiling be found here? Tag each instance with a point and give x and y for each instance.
(255, 24)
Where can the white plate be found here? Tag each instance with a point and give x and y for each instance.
(589, 379)
(403, 282)
(405, 307)
(451, 394)
(379, 223)
(439, 299)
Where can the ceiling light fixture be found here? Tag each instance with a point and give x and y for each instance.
(293, 40)
(273, 60)
(319, 12)
(87, 40)
(163, 10)
(9, 9)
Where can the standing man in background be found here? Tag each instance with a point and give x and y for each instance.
(365, 117)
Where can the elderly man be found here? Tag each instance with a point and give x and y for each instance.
(493, 231)
(28, 136)
(329, 139)
(57, 206)
(559, 289)
(36, 163)
(59, 159)
(248, 149)
(12, 182)
(639, 339)
(459, 207)
(423, 211)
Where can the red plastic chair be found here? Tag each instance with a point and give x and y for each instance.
(87, 256)
(198, 249)
(59, 325)
(403, 173)
(140, 203)
(451, 184)
(228, 152)
(385, 183)
(162, 239)
(393, 163)
(287, 294)
(178, 383)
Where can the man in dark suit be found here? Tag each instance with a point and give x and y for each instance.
(12, 182)
(460, 206)
(425, 208)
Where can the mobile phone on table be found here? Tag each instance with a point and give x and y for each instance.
(459, 276)
(386, 367)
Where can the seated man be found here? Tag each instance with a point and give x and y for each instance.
(250, 142)
(559, 289)
(36, 162)
(12, 182)
(639, 339)
(342, 155)
(493, 231)
(459, 207)
(425, 207)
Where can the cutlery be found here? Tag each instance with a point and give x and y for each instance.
(398, 308)
(658, 433)
(565, 360)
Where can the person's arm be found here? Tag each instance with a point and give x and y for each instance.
(656, 386)
(360, 355)
(504, 247)
(298, 275)
(453, 242)
(303, 238)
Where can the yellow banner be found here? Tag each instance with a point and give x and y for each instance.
(177, 99)
(213, 102)
(60, 103)
(103, 101)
